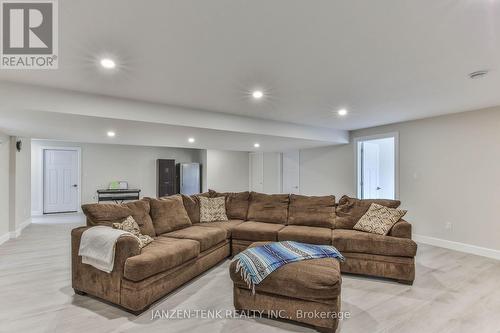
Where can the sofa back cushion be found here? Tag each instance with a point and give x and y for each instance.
(350, 210)
(236, 203)
(312, 211)
(271, 208)
(107, 214)
(169, 214)
(192, 206)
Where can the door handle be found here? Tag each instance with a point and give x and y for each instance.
(378, 188)
(74, 185)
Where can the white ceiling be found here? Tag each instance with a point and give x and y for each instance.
(48, 113)
(78, 128)
(385, 61)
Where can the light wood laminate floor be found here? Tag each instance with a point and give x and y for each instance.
(453, 292)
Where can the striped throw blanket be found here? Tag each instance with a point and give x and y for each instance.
(256, 263)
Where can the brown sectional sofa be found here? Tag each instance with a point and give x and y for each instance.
(184, 248)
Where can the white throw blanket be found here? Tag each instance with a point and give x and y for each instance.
(97, 247)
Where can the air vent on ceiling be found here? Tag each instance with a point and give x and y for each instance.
(478, 74)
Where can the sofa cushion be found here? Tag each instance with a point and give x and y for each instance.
(304, 234)
(206, 236)
(141, 213)
(317, 280)
(257, 231)
(168, 214)
(212, 209)
(312, 211)
(162, 254)
(236, 203)
(350, 210)
(192, 205)
(379, 219)
(107, 214)
(272, 208)
(227, 226)
(362, 242)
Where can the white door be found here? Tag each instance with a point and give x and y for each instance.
(371, 170)
(60, 181)
(377, 168)
(291, 178)
(256, 172)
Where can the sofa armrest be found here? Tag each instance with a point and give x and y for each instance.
(86, 278)
(401, 229)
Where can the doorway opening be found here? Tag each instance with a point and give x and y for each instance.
(377, 166)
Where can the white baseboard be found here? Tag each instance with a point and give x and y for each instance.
(462, 247)
(36, 213)
(5, 237)
(19, 230)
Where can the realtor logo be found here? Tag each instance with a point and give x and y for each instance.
(29, 34)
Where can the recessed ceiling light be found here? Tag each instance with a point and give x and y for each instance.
(256, 145)
(108, 63)
(478, 74)
(342, 112)
(191, 140)
(257, 94)
(111, 134)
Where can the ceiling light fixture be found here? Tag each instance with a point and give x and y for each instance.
(342, 112)
(256, 145)
(478, 74)
(111, 134)
(191, 140)
(108, 63)
(257, 94)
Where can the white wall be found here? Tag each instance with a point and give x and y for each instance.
(19, 185)
(4, 186)
(327, 170)
(103, 163)
(448, 173)
(272, 173)
(227, 171)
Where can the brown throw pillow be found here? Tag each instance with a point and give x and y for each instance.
(349, 210)
(212, 209)
(131, 226)
(312, 211)
(379, 219)
(168, 214)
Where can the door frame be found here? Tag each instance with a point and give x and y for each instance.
(41, 185)
(356, 140)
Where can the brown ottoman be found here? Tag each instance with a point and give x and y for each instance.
(307, 291)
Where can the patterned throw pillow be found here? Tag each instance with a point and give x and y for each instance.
(379, 219)
(131, 226)
(212, 209)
